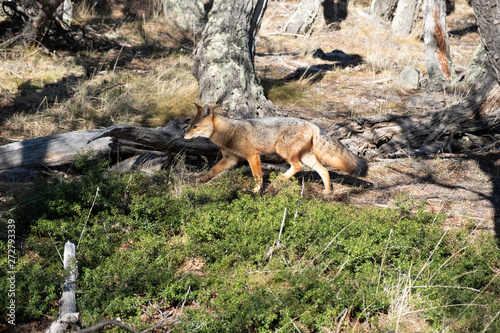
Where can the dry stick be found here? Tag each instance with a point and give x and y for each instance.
(343, 315)
(333, 239)
(118, 57)
(106, 323)
(430, 256)
(446, 261)
(383, 259)
(185, 297)
(60, 256)
(298, 202)
(492, 320)
(88, 217)
(278, 243)
(468, 306)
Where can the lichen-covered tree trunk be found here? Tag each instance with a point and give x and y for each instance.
(383, 9)
(224, 59)
(437, 45)
(405, 17)
(488, 15)
(188, 15)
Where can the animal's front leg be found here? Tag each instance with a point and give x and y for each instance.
(227, 161)
(254, 162)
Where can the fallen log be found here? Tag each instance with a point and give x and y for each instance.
(471, 124)
(51, 150)
(168, 138)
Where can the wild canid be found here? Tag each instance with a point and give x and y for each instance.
(295, 140)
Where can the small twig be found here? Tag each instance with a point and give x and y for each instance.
(331, 242)
(383, 259)
(300, 199)
(118, 57)
(278, 243)
(429, 260)
(343, 314)
(185, 298)
(116, 322)
(88, 217)
(492, 320)
(60, 256)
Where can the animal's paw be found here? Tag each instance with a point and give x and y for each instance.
(256, 189)
(203, 179)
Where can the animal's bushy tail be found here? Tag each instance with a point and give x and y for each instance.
(334, 153)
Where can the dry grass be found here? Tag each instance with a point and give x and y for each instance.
(151, 91)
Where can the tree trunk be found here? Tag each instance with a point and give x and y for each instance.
(383, 9)
(188, 15)
(303, 18)
(437, 45)
(488, 15)
(224, 59)
(310, 11)
(405, 17)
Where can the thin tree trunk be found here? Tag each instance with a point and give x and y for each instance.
(437, 45)
(309, 12)
(383, 9)
(303, 18)
(224, 59)
(405, 17)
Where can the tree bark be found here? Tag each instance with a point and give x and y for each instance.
(383, 9)
(188, 15)
(224, 59)
(487, 14)
(35, 29)
(437, 45)
(405, 17)
(309, 12)
(303, 18)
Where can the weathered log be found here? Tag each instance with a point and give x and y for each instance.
(168, 138)
(51, 150)
(67, 303)
(449, 130)
(68, 317)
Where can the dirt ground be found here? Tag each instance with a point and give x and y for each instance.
(463, 187)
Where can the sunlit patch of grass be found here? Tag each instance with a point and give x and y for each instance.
(292, 93)
(112, 98)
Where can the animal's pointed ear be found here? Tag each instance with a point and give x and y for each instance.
(206, 111)
(199, 108)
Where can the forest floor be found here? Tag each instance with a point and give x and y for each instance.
(463, 186)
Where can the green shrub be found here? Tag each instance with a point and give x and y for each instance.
(138, 241)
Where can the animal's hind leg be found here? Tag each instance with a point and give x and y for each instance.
(311, 161)
(295, 167)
